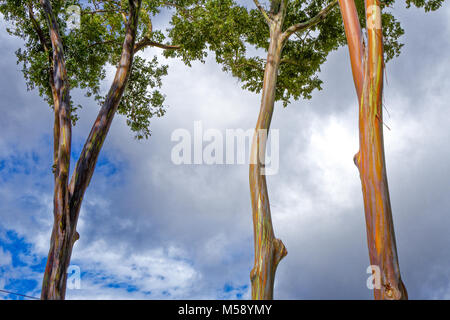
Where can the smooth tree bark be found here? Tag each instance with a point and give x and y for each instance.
(268, 249)
(367, 64)
(68, 197)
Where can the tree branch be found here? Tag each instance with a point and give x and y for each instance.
(103, 42)
(46, 46)
(180, 8)
(86, 163)
(263, 11)
(37, 28)
(142, 44)
(103, 11)
(146, 42)
(283, 6)
(290, 61)
(310, 23)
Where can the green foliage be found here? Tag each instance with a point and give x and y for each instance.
(88, 52)
(141, 104)
(430, 5)
(239, 37)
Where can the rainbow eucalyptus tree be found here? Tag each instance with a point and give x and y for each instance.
(56, 59)
(367, 63)
(297, 37)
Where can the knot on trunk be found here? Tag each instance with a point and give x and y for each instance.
(262, 275)
(76, 236)
(271, 257)
(357, 159)
(395, 292)
(280, 251)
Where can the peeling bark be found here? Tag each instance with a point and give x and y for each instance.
(67, 197)
(370, 158)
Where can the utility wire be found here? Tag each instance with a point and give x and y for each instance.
(19, 294)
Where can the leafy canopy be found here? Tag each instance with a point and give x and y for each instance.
(88, 52)
(235, 31)
(239, 36)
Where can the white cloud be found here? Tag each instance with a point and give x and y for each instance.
(5, 258)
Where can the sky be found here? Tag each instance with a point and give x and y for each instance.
(151, 229)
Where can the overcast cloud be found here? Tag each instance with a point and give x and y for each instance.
(151, 229)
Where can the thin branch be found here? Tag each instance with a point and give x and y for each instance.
(149, 25)
(263, 12)
(146, 42)
(178, 7)
(37, 28)
(290, 61)
(283, 6)
(103, 11)
(46, 45)
(310, 23)
(140, 45)
(85, 166)
(254, 65)
(102, 43)
(124, 17)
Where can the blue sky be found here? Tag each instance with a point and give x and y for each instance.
(150, 229)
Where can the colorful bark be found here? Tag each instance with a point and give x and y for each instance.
(370, 159)
(85, 166)
(268, 250)
(54, 278)
(68, 199)
(354, 41)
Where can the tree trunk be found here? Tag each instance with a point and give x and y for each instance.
(54, 283)
(268, 250)
(370, 159)
(68, 198)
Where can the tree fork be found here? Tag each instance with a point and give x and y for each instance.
(68, 198)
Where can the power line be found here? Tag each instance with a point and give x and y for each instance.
(19, 294)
